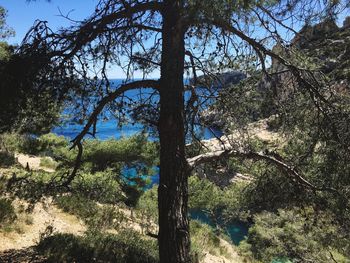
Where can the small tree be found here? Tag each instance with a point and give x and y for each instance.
(172, 37)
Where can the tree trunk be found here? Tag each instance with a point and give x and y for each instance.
(173, 238)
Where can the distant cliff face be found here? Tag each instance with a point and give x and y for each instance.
(323, 48)
(327, 46)
(220, 80)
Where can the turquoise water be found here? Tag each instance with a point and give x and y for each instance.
(236, 230)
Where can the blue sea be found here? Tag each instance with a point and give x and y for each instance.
(110, 127)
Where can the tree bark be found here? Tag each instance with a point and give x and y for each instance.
(173, 237)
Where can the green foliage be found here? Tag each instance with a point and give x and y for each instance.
(132, 151)
(7, 159)
(115, 166)
(77, 205)
(31, 186)
(10, 142)
(5, 51)
(125, 247)
(299, 235)
(97, 217)
(314, 126)
(33, 108)
(103, 186)
(7, 212)
(5, 31)
(104, 173)
(47, 144)
(203, 239)
(205, 195)
(25, 104)
(29, 144)
(147, 208)
(273, 190)
(50, 143)
(48, 163)
(227, 204)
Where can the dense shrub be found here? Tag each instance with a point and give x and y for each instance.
(9, 142)
(78, 205)
(126, 247)
(225, 205)
(48, 163)
(147, 209)
(134, 151)
(7, 211)
(46, 144)
(24, 143)
(203, 240)
(96, 216)
(50, 144)
(7, 158)
(298, 235)
(103, 186)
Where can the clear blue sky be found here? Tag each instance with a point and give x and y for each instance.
(22, 15)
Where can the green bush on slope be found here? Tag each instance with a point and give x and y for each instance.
(125, 247)
(301, 235)
(96, 217)
(7, 212)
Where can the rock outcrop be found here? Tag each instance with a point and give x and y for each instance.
(220, 80)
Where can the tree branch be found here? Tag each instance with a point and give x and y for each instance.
(278, 162)
(75, 38)
(93, 118)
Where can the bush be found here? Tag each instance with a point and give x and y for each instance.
(296, 235)
(125, 247)
(50, 142)
(9, 142)
(147, 208)
(77, 205)
(48, 163)
(135, 150)
(7, 159)
(46, 144)
(103, 187)
(25, 143)
(203, 240)
(7, 212)
(97, 217)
